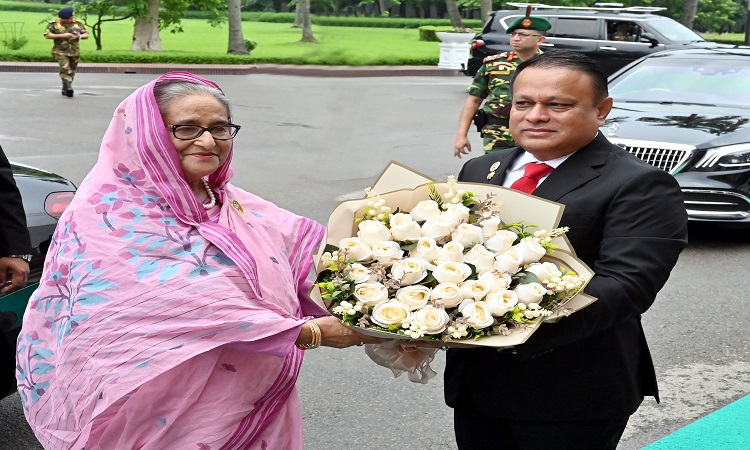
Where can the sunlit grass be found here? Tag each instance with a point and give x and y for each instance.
(277, 43)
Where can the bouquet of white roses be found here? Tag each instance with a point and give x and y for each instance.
(442, 264)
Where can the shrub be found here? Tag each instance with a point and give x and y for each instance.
(250, 45)
(15, 42)
(427, 33)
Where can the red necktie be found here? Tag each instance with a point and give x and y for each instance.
(532, 173)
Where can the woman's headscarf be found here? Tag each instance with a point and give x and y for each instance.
(139, 280)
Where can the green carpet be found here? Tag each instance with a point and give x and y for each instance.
(725, 429)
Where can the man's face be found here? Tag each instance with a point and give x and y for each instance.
(525, 40)
(66, 21)
(555, 111)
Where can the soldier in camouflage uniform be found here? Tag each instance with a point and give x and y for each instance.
(492, 82)
(66, 31)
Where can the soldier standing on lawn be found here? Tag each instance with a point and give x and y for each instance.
(66, 31)
(492, 82)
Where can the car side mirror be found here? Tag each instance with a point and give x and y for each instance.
(650, 39)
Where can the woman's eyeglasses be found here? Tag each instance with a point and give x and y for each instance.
(190, 132)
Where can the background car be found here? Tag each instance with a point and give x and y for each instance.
(592, 31)
(45, 196)
(688, 113)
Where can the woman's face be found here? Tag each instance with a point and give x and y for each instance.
(199, 157)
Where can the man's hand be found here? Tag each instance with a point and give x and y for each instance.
(13, 274)
(461, 146)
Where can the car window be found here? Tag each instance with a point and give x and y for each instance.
(716, 81)
(674, 31)
(575, 28)
(623, 31)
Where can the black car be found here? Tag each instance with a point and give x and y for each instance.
(594, 31)
(688, 112)
(45, 196)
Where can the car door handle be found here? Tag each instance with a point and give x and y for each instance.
(607, 47)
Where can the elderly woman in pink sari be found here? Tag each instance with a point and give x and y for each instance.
(173, 310)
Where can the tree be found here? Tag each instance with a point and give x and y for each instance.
(453, 14)
(688, 13)
(151, 16)
(99, 9)
(236, 39)
(307, 34)
(146, 29)
(485, 9)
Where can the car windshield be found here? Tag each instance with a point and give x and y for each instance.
(716, 81)
(674, 31)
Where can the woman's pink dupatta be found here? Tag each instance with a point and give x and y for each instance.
(156, 327)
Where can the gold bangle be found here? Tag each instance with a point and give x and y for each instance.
(317, 337)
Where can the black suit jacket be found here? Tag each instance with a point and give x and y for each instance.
(628, 223)
(14, 236)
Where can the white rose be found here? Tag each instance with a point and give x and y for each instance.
(370, 294)
(438, 227)
(474, 289)
(501, 241)
(481, 258)
(355, 249)
(435, 319)
(414, 297)
(478, 315)
(409, 271)
(544, 271)
(387, 252)
(509, 261)
(372, 231)
(404, 228)
(467, 234)
(426, 249)
(457, 212)
(531, 250)
(360, 274)
(425, 210)
(496, 280)
(489, 226)
(453, 251)
(530, 293)
(451, 272)
(391, 313)
(501, 302)
(447, 295)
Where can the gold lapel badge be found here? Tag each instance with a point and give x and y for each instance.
(493, 168)
(238, 207)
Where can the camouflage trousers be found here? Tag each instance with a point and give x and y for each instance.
(496, 138)
(68, 65)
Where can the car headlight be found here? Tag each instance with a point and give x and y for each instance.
(731, 157)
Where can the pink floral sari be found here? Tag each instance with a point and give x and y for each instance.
(156, 327)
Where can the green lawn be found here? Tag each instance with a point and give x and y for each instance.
(200, 43)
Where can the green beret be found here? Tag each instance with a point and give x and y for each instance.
(529, 23)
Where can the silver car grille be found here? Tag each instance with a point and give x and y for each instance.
(664, 155)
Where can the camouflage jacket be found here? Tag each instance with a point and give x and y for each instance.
(492, 82)
(65, 46)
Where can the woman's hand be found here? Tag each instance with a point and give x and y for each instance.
(336, 334)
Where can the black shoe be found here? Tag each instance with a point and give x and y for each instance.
(67, 89)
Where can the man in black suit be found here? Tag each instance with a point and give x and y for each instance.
(15, 245)
(573, 384)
